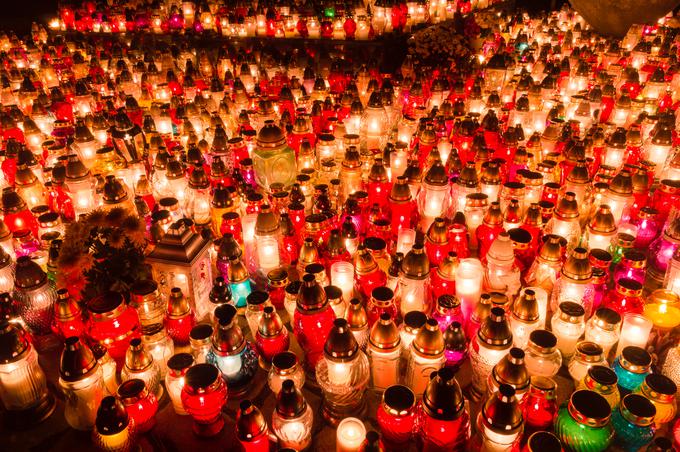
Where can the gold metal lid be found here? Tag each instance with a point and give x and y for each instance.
(589, 408)
(340, 346)
(495, 331)
(501, 413)
(311, 296)
(137, 357)
(429, 340)
(442, 399)
(638, 409)
(178, 304)
(416, 265)
(525, 307)
(571, 312)
(77, 360)
(603, 221)
(567, 207)
(512, 371)
(577, 267)
(385, 334)
(356, 315)
(447, 269)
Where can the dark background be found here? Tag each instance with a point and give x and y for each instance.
(18, 15)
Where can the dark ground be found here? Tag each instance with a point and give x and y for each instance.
(18, 15)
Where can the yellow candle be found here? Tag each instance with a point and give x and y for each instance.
(351, 433)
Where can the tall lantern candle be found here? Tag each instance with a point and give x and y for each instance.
(488, 347)
(181, 259)
(312, 320)
(342, 276)
(82, 379)
(444, 421)
(343, 373)
(23, 386)
(426, 355)
(384, 350)
(414, 281)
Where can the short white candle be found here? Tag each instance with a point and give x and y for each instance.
(469, 284)
(405, 240)
(342, 276)
(351, 433)
(634, 331)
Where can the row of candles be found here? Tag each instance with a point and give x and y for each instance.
(406, 225)
(325, 20)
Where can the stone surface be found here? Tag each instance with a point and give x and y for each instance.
(614, 17)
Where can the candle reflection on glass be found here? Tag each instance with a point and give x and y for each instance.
(351, 433)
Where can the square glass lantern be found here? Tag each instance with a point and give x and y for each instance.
(181, 259)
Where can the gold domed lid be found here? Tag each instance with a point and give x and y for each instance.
(312, 296)
(114, 190)
(495, 331)
(77, 360)
(468, 176)
(178, 304)
(525, 307)
(551, 250)
(437, 233)
(577, 267)
(75, 169)
(416, 265)
(512, 371)
(622, 183)
(414, 321)
(384, 333)
(501, 413)
(250, 421)
(198, 179)
(270, 136)
(270, 323)
(340, 346)
(567, 207)
(227, 338)
(364, 262)
(477, 200)
(356, 315)
(447, 269)
(65, 308)
(579, 174)
(378, 173)
(494, 215)
(290, 402)
(442, 398)
(429, 341)
(237, 270)
(11, 201)
(266, 222)
(137, 357)
(309, 253)
(28, 274)
(436, 175)
(400, 192)
(603, 221)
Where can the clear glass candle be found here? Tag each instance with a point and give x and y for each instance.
(82, 381)
(635, 330)
(342, 276)
(178, 365)
(568, 325)
(293, 417)
(285, 366)
(426, 355)
(469, 284)
(603, 329)
(542, 358)
(587, 355)
(488, 347)
(199, 340)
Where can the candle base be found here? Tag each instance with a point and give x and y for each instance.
(24, 419)
(210, 429)
(334, 413)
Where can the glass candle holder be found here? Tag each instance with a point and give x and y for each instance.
(199, 340)
(583, 423)
(603, 329)
(350, 435)
(381, 302)
(285, 366)
(525, 318)
(542, 358)
(603, 380)
(140, 363)
(661, 391)
(487, 348)
(568, 325)
(112, 324)
(82, 380)
(587, 355)
(312, 320)
(179, 318)
(342, 276)
(426, 355)
(343, 373)
(384, 350)
(271, 338)
(160, 346)
(140, 403)
(147, 301)
(203, 396)
(469, 284)
(443, 420)
(635, 330)
(633, 422)
(397, 415)
(178, 366)
(231, 353)
(114, 429)
(255, 304)
(34, 295)
(631, 367)
(500, 421)
(539, 405)
(292, 420)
